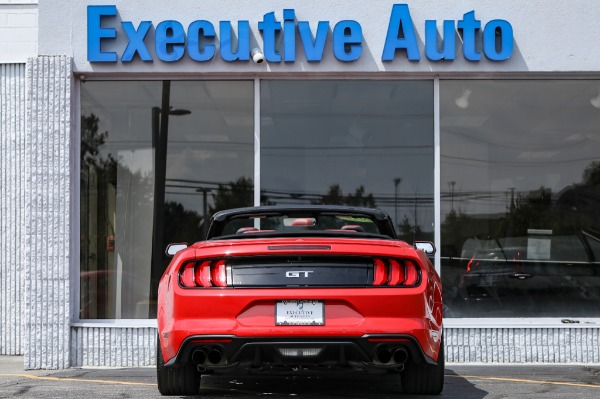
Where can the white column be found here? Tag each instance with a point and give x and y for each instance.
(49, 217)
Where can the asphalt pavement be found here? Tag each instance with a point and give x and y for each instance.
(462, 381)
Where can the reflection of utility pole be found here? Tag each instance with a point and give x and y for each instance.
(160, 139)
(397, 181)
(451, 184)
(512, 199)
(204, 191)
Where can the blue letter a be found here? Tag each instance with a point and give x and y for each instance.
(400, 34)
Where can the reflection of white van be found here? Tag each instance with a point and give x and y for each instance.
(540, 261)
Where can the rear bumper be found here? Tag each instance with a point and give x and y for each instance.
(229, 353)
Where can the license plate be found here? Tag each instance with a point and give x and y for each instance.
(299, 312)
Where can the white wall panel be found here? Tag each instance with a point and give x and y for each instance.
(136, 347)
(12, 206)
(18, 30)
(522, 345)
(113, 346)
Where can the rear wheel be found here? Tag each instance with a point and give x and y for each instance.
(418, 379)
(181, 380)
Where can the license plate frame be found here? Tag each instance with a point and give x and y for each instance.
(299, 312)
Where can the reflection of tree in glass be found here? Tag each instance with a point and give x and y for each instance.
(335, 196)
(454, 230)
(591, 174)
(100, 171)
(572, 210)
(530, 211)
(579, 205)
(181, 225)
(235, 194)
(97, 230)
(91, 141)
(408, 232)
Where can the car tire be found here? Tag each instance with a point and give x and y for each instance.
(179, 381)
(418, 379)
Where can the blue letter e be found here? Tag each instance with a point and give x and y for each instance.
(96, 33)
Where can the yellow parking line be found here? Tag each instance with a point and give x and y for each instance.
(35, 377)
(571, 384)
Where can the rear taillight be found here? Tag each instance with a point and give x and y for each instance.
(397, 272)
(412, 273)
(208, 273)
(380, 273)
(218, 273)
(389, 272)
(202, 274)
(186, 275)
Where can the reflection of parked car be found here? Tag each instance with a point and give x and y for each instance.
(292, 289)
(541, 261)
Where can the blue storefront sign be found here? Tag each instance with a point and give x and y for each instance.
(172, 41)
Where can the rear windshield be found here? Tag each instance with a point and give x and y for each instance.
(334, 223)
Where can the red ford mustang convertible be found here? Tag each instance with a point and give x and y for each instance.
(299, 289)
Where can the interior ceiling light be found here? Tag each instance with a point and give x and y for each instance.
(463, 100)
(595, 101)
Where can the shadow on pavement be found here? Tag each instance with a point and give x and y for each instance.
(328, 386)
(456, 386)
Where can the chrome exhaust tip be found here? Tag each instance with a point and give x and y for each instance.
(199, 357)
(215, 356)
(400, 356)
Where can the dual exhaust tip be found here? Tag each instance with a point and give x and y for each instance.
(207, 356)
(391, 356)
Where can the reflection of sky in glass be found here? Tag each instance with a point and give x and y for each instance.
(315, 134)
(213, 144)
(514, 137)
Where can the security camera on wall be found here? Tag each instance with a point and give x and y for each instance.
(257, 56)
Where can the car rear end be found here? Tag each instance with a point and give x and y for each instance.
(282, 304)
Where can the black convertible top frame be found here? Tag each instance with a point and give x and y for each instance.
(384, 222)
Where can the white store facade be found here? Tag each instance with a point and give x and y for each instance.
(125, 124)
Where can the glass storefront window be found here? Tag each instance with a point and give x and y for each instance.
(520, 201)
(200, 135)
(520, 179)
(351, 142)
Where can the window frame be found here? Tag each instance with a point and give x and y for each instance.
(531, 322)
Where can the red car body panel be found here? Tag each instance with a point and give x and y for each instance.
(349, 311)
